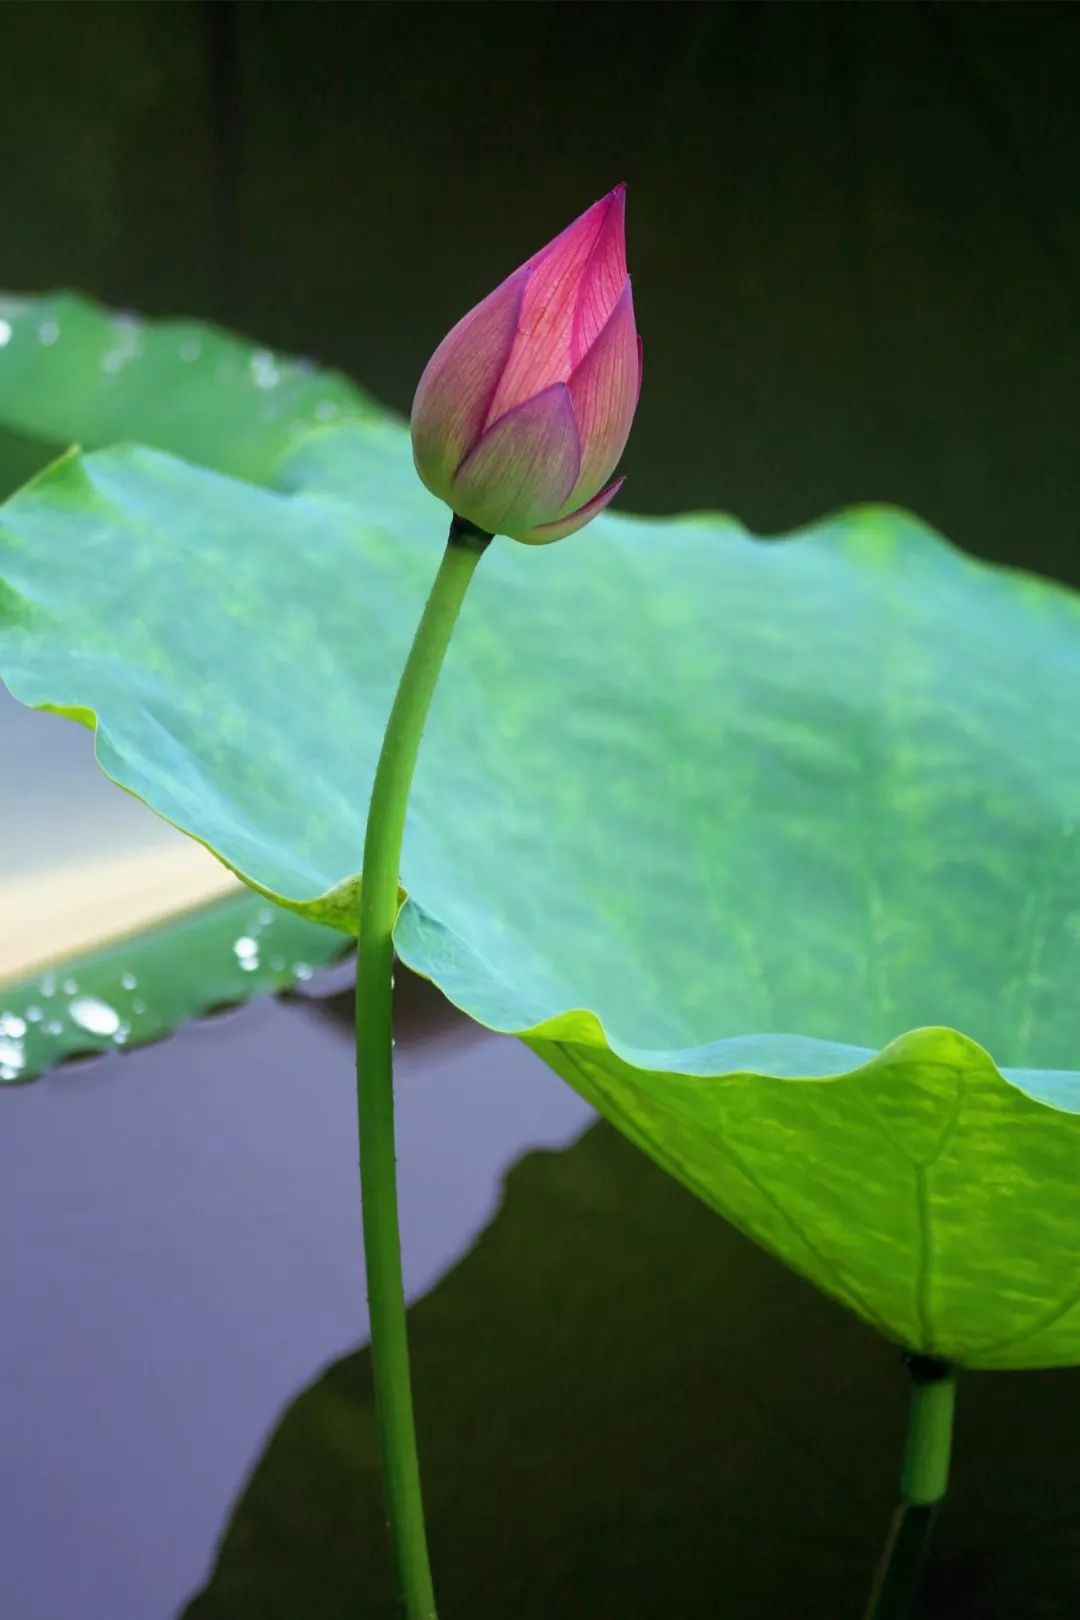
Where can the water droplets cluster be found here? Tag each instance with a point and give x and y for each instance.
(126, 345)
(58, 1016)
(268, 372)
(265, 371)
(12, 1050)
(248, 949)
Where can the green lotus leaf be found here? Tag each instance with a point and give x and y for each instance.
(72, 372)
(737, 834)
(140, 989)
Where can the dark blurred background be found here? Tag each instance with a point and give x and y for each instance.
(855, 235)
(855, 228)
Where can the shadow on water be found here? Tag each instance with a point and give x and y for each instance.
(182, 1252)
(422, 1015)
(626, 1409)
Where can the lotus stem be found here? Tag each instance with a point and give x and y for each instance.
(924, 1479)
(374, 1069)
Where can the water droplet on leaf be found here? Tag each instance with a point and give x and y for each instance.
(95, 1016)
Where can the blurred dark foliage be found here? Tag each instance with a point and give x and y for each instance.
(855, 228)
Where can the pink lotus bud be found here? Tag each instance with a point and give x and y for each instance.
(524, 409)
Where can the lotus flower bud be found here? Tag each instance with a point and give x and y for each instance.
(525, 407)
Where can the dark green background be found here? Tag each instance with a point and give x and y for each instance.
(855, 228)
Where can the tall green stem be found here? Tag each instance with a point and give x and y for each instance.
(374, 1068)
(924, 1479)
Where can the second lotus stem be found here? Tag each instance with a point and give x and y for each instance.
(924, 1479)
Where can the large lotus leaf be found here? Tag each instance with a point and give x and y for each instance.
(72, 372)
(712, 821)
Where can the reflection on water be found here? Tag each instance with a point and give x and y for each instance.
(182, 1253)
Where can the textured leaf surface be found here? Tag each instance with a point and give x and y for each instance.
(141, 989)
(680, 788)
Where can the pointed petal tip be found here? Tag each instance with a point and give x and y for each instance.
(615, 200)
(612, 203)
(616, 196)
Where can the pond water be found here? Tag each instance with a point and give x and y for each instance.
(182, 1255)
